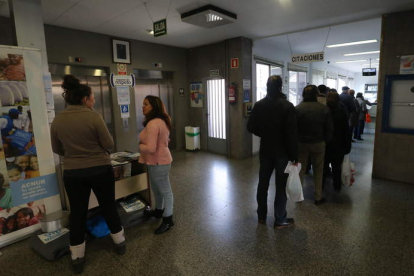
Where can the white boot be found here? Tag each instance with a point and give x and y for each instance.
(119, 237)
(77, 251)
(119, 240)
(78, 257)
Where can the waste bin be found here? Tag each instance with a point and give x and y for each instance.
(192, 138)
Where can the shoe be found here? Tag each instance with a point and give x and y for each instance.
(166, 225)
(156, 213)
(77, 265)
(262, 221)
(288, 222)
(352, 140)
(360, 139)
(120, 248)
(320, 201)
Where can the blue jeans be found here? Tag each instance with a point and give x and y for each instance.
(160, 184)
(267, 166)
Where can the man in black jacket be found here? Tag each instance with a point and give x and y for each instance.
(273, 119)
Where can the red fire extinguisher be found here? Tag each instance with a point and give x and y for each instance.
(232, 93)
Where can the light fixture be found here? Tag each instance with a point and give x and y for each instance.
(151, 32)
(350, 61)
(352, 43)
(208, 16)
(362, 53)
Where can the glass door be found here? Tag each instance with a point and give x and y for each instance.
(216, 104)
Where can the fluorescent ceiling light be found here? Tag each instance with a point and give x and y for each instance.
(350, 61)
(362, 53)
(352, 43)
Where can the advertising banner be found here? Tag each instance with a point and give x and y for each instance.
(28, 184)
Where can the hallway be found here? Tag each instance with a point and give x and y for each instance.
(367, 229)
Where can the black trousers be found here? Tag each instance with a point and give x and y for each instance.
(335, 159)
(267, 166)
(78, 185)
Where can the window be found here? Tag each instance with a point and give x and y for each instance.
(216, 96)
(331, 80)
(318, 77)
(263, 72)
(341, 82)
(297, 81)
(351, 82)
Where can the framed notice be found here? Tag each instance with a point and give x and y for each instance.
(121, 51)
(197, 95)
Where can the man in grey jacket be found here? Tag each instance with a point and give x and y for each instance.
(315, 129)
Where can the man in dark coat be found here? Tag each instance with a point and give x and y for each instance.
(347, 100)
(273, 119)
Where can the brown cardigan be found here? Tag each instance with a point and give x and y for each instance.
(81, 136)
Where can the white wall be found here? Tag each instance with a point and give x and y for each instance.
(360, 81)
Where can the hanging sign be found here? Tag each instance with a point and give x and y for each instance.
(117, 80)
(160, 28)
(234, 63)
(122, 69)
(306, 58)
(214, 73)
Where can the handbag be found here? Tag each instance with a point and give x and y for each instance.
(294, 190)
(367, 118)
(348, 172)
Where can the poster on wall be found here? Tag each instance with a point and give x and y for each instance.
(27, 176)
(407, 65)
(196, 93)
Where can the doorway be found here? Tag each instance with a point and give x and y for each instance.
(155, 83)
(216, 106)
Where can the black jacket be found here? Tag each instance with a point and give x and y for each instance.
(314, 122)
(341, 141)
(274, 121)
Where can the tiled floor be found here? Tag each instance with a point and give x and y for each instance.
(368, 229)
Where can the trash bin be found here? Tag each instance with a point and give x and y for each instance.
(192, 138)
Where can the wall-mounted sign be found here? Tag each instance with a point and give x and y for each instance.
(123, 95)
(214, 73)
(160, 28)
(122, 69)
(181, 92)
(197, 95)
(247, 109)
(234, 63)
(407, 65)
(117, 80)
(306, 58)
(124, 110)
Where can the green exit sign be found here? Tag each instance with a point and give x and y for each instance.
(160, 28)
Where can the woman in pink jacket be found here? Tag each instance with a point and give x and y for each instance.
(154, 152)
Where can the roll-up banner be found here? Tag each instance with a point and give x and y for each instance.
(28, 184)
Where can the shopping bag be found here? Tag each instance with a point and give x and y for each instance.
(367, 118)
(348, 172)
(294, 189)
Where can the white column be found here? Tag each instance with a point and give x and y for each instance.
(28, 21)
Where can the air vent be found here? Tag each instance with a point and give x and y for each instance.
(209, 17)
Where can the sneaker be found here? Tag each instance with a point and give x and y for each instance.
(288, 222)
(77, 265)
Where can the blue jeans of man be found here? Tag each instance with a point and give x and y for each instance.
(267, 166)
(160, 184)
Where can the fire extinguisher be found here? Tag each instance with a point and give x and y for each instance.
(232, 93)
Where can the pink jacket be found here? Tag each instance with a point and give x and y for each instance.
(154, 143)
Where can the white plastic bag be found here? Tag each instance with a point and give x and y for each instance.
(348, 171)
(294, 190)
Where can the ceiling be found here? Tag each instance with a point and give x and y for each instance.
(257, 19)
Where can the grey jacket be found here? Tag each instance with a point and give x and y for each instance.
(314, 122)
(363, 110)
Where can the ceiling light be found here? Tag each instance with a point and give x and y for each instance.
(352, 43)
(350, 61)
(209, 17)
(362, 53)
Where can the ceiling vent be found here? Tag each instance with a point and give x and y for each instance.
(209, 17)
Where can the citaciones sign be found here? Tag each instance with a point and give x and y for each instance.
(305, 58)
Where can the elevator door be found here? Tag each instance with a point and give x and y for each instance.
(98, 84)
(160, 87)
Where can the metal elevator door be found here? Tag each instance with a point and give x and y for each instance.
(96, 79)
(156, 83)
